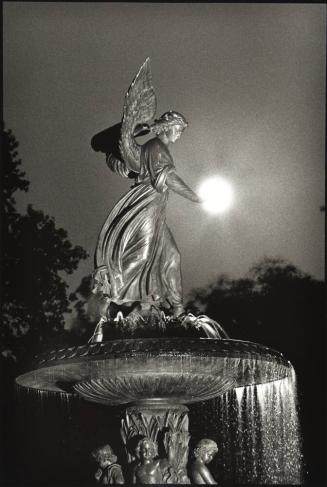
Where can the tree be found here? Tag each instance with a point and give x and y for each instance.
(83, 325)
(35, 254)
(275, 304)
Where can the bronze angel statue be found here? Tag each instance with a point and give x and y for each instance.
(137, 259)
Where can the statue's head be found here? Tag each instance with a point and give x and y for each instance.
(206, 450)
(104, 456)
(171, 124)
(146, 449)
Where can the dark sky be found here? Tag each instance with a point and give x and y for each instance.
(250, 79)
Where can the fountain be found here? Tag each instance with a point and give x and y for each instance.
(147, 354)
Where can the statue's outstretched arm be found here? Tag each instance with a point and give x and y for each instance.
(176, 184)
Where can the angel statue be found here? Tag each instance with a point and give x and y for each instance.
(137, 259)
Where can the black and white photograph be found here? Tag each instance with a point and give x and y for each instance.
(162, 237)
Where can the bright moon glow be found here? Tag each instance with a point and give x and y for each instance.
(217, 195)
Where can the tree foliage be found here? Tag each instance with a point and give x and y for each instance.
(275, 304)
(83, 322)
(35, 257)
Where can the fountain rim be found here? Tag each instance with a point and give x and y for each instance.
(152, 349)
(163, 346)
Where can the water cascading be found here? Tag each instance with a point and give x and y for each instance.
(258, 431)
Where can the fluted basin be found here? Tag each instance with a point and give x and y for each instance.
(182, 370)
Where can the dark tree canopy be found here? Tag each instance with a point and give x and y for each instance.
(12, 175)
(275, 304)
(35, 256)
(83, 322)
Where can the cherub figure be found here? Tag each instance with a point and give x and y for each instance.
(109, 472)
(147, 470)
(203, 453)
(137, 259)
(150, 469)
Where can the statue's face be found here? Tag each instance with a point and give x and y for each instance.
(208, 455)
(174, 133)
(146, 451)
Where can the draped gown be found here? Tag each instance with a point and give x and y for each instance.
(137, 258)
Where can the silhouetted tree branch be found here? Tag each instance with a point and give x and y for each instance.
(275, 303)
(35, 254)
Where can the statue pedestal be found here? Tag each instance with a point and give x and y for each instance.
(166, 425)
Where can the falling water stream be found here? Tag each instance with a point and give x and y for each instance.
(257, 431)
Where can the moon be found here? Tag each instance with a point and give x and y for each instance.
(217, 195)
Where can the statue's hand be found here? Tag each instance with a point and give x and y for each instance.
(201, 199)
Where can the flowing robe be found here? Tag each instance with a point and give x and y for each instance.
(136, 257)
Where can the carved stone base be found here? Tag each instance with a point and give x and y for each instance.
(165, 427)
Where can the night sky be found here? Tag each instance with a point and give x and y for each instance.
(249, 78)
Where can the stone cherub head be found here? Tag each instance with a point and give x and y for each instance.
(104, 456)
(109, 472)
(146, 449)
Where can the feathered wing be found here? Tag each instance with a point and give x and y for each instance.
(139, 108)
(117, 165)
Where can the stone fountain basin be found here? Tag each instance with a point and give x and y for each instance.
(178, 370)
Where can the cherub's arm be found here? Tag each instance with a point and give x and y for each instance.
(176, 184)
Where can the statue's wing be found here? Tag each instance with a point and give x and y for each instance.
(107, 141)
(139, 108)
